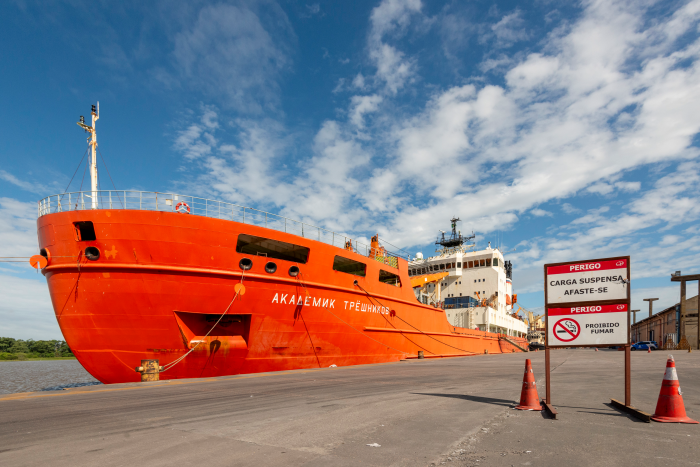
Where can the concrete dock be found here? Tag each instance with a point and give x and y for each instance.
(421, 412)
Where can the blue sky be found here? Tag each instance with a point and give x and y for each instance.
(565, 130)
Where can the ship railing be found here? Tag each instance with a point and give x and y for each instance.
(171, 202)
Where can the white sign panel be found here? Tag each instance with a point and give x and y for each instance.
(587, 282)
(587, 325)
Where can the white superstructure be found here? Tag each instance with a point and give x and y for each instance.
(476, 291)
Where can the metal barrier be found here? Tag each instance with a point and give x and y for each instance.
(171, 202)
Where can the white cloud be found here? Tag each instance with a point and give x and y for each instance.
(23, 184)
(18, 235)
(25, 309)
(490, 152)
(540, 212)
(229, 53)
(359, 82)
(391, 17)
(510, 29)
(362, 105)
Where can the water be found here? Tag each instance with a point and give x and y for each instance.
(42, 375)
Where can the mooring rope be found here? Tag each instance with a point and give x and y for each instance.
(172, 364)
(349, 325)
(427, 335)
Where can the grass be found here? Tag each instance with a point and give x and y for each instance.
(24, 358)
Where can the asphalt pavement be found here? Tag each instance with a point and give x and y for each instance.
(455, 411)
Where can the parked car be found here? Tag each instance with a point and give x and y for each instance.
(644, 345)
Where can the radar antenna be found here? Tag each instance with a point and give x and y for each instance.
(456, 239)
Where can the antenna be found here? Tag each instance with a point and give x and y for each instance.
(92, 141)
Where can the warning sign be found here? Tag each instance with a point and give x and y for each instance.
(587, 325)
(587, 281)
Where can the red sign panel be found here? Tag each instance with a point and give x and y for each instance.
(584, 310)
(588, 266)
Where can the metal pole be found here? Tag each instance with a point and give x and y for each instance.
(547, 376)
(682, 324)
(628, 376)
(697, 311)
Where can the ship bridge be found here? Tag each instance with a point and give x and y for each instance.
(475, 288)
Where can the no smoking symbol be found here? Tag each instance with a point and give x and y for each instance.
(567, 329)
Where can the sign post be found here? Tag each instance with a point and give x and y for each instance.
(587, 304)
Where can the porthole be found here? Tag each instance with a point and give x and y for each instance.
(92, 253)
(294, 271)
(246, 263)
(270, 267)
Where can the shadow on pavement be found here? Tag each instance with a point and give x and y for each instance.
(467, 397)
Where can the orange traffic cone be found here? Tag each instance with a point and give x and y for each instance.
(670, 407)
(596, 349)
(648, 349)
(529, 400)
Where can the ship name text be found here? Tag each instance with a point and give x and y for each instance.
(299, 300)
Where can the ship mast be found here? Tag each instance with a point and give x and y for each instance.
(92, 141)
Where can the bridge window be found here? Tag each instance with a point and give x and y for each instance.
(459, 264)
(261, 246)
(389, 278)
(488, 261)
(349, 266)
(495, 261)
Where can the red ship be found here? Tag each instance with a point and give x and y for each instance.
(210, 288)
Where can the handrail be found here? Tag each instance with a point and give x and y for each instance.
(168, 202)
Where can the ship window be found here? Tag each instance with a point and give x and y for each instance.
(84, 231)
(389, 278)
(453, 265)
(488, 261)
(442, 266)
(471, 264)
(349, 266)
(482, 262)
(495, 262)
(459, 264)
(261, 246)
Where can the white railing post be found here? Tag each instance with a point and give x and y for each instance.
(140, 200)
(110, 199)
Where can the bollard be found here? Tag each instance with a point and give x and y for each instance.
(486, 351)
(150, 370)
(420, 355)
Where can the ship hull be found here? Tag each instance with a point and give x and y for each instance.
(163, 279)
